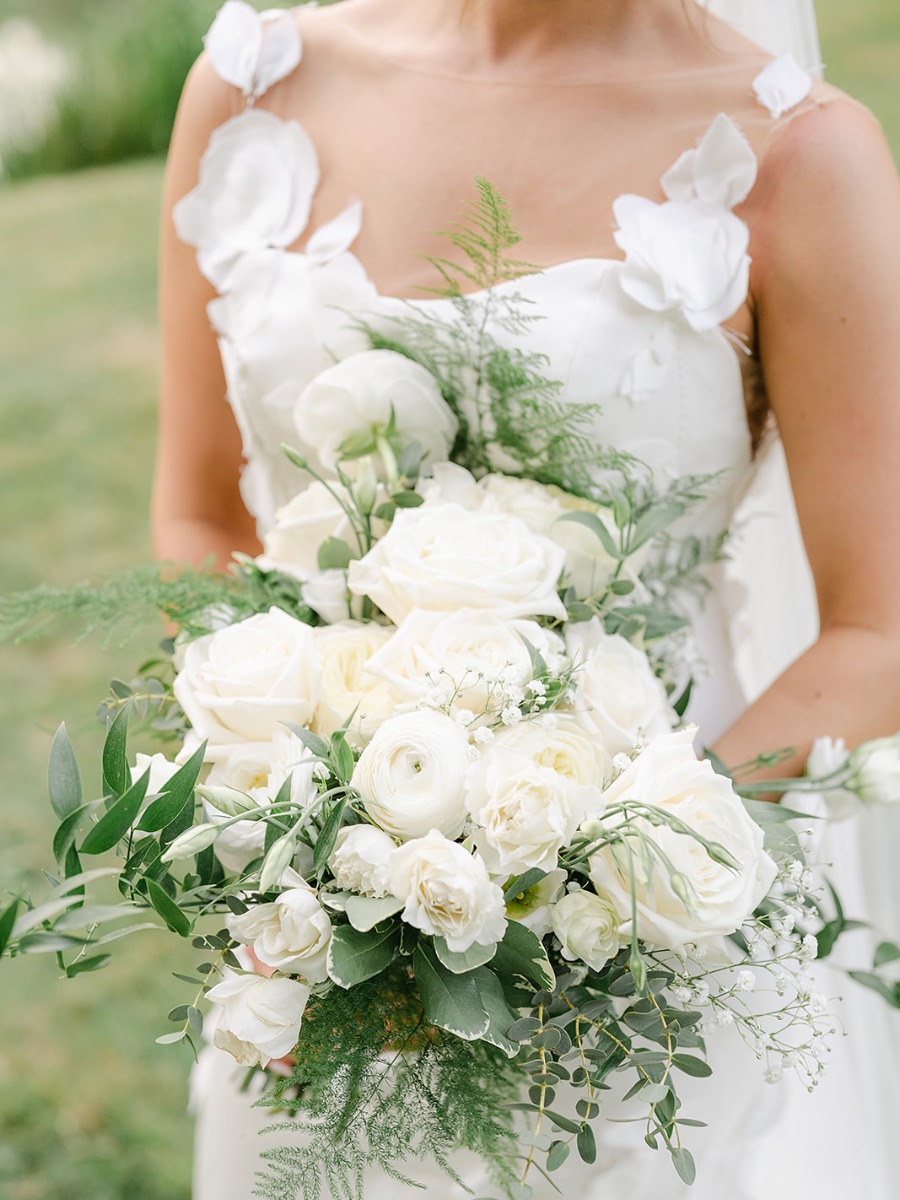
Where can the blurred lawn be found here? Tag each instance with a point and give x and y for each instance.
(90, 1107)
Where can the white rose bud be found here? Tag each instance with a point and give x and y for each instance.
(876, 766)
(292, 934)
(588, 929)
(361, 860)
(448, 892)
(411, 776)
(260, 1018)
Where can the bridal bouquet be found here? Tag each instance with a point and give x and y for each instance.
(433, 818)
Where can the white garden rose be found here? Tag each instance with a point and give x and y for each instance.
(291, 934)
(558, 742)
(442, 557)
(617, 698)
(471, 650)
(364, 395)
(876, 771)
(361, 860)
(588, 929)
(258, 769)
(708, 900)
(241, 683)
(260, 1018)
(448, 892)
(411, 776)
(279, 169)
(348, 684)
(302, 525)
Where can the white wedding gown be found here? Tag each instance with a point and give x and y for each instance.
(639, 332)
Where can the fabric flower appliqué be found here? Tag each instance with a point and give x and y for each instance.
(689, 254)
(781, 85)
(257, 181)
(251, 50)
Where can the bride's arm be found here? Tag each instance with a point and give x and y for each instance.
(827, 292)
(197, 509)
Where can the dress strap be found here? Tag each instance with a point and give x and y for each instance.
(252, 50)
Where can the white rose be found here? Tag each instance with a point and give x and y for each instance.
(302, 525)
(327, 594)
(533, 907)
(161, 771)
(557, 741)
(448, 892)
(411, 776)
(291, 934)
(347, 683)
(260, 1018)
(240, 683)
(588, 929)
(708, 900)
(361, 860)
(258, 769)
(617, 698)
(363, 395)
(473, 648)
(876, 767)
(278, 166)
(441, 557)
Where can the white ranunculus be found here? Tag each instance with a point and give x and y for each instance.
(327, 594)
(707, 900)
(241, 683)
(362, 394)
(411, 776)
(361, 860)
(533, 907)
(260, 1018)
(277, 166)
(617, 698)
(876, 771)
(347, 683)
(258, 769)
(302, 525)
(441, 557)
(471, 649)
(588, 929)
(448, 892)
(291, 934)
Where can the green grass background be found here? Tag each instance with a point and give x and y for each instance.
(90, 1107)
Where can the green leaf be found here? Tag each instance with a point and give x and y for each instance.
(558, 1154)
(587, 1144)
(592, 522)
(177, 792)
(408, 499)
(354, 957)
(651, 523)
(334, 555)
(452, 1002)
(522, 954)
(684, 1164)
(169, 1039)
(501, 1016)
(116, 775)
(63, 776)
(69, 829)
(7, 921)
(342, 758)
(365, 912)
(692, 1066)
(887, 952)
(521, 883)
(465, 960)
(317, 746)
(83, 965)
(120, 818)
(877, 984)
(179, 922)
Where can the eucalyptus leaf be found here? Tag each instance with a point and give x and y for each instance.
(116, 775)
(684, 1164)
(82, 966)
(63, 777)
(334, 555)
(177, 920)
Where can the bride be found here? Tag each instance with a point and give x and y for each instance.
(719, 241)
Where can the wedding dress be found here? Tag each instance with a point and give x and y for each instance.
(643, 331)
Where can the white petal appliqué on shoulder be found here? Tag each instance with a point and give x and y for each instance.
(257, 181)
(781, 85)
(337, 236)
(251, 50)
(721, 170)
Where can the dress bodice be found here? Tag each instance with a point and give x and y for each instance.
(640, 335)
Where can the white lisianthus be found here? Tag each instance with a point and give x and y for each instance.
(258, 769)
(241, 682)
(348, 684)
(290, 934)
(706, 899)
(876, 771)
(361, 860)
(302, 525)
(448, 892)
(617, 698)
(411, 776)
(260, 1018)
(533, 907)
(442, 557)
(588, 929)
(367, 394)
(827, 756)
(474, 648)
